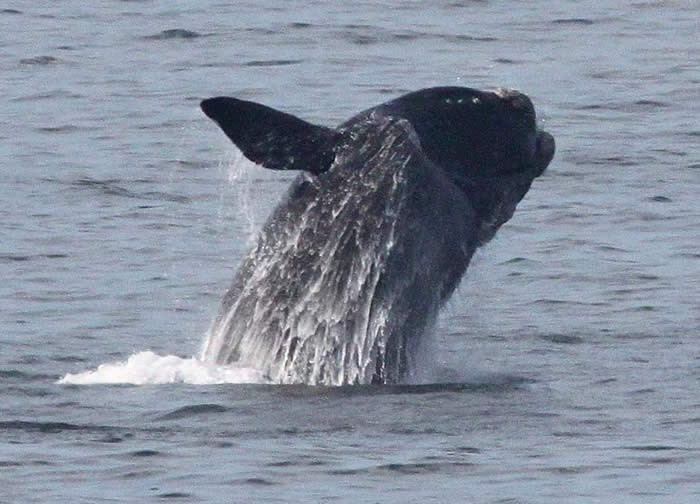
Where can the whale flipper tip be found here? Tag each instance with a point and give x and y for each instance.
(271, 138)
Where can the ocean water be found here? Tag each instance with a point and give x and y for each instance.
(567, 365)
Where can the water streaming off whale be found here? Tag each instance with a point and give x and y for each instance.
(304, 293)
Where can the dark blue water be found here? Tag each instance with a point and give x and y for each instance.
(569, 357)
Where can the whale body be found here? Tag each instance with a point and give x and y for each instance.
(350, 271)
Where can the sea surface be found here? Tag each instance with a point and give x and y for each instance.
(566, 367)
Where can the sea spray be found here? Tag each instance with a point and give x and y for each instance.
(149, 368)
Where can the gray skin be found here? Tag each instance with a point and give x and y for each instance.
(349, 273)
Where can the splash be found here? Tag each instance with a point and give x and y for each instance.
(149, 368)
(344, 284)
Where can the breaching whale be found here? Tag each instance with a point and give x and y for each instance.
(351, 269)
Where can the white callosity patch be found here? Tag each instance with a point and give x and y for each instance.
(506, 93)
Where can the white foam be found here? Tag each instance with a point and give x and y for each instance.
(147, 368)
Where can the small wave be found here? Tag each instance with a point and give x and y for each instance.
(65, 128)
(651, 104)
(10, 258)
(299, 25)
(39, 60)
(194, 410)
(267, 63)
(176, 33)
(635, 106)
(11, 374)
(145, 453)
(49, 427)
(149, 368)
(562, 339)
(407, 468)
(57, 93)
(506, 61)
(468, 38)
(175, 495)
(575, 21)
(652, 448)
(110, 187)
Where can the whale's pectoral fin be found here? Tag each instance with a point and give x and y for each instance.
(272, 138)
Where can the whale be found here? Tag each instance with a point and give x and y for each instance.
(348, 275)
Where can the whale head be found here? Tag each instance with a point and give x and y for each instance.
(486, 142)
(474, 134)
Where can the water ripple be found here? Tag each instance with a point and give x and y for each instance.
(175, 33)
(194, 410)
(574, 21)
(269, 63)
(40, 60)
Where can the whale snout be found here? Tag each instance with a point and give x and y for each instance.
(536, 145)
(544, 152)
